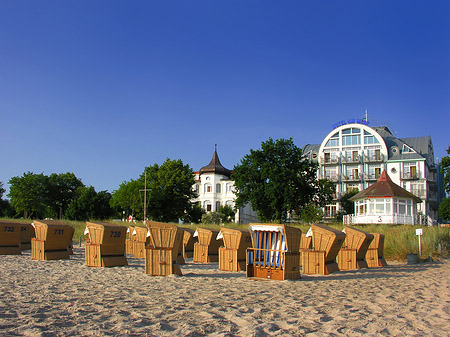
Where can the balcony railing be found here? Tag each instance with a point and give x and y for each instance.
(419, 193)
(352, 177)
(411, 176)
(333, 178)
(352, 159)
(329, 161)
(374, 176)
(374, 158)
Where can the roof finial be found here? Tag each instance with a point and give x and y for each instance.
(215, 147)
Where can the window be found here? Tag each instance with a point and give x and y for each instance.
(217, 206)
(407, 149)
(352, 136)
(217, 188)
(208, 188)
(229, 187)
(410, 170)
(333, 141)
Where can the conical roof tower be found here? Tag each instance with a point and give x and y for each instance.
(215, 166)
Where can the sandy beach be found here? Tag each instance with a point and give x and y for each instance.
(66, 298)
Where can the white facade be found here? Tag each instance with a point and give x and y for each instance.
(353, 155)
(215, 188)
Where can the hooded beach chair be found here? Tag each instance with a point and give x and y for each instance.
(10, 238)
(129, 241)
(375, 253)
(352, 255)
(106, 245)
(53, 240)
(305, 243)
(188, 243)
(275, 252)
(26, 234)
(232, 257)
(140, 239)
(207, 248)
(163, 249)
(321, 259)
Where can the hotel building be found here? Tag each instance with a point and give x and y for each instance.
(353, 155)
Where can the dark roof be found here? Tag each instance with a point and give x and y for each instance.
(385, 187)
(215, 166)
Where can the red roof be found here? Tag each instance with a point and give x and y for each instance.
(384, 187)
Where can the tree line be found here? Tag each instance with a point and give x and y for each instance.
(277, 181)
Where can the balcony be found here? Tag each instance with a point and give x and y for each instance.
(352, 160)
(377, 158)
(329, 161)
(371, 177)
(419, 193)
(352, 177)
(333, 178)
(411, 176)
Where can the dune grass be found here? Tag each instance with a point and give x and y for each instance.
(399, 240)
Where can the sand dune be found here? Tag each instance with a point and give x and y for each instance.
(66, 298)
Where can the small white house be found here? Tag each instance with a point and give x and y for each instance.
(384, 202)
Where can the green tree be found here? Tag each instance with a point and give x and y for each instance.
(194, 214)
(227, 213)
(170, 190)
(346, 204)
(88, 204)
(444, 209)
(128, 198)
(445, 170)
(29, 194)
(5, 207)
(311, 213)
(276, 180)
(211, 218)
(61, 191)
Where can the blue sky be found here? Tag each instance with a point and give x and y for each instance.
(104, 88)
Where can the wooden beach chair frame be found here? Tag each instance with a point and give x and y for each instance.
(188, 243)
(232, 257)
(53, 240)
(140, 241)
(207, 248)
(164, 248)
(10, 238)
(375, 253)
(129, 241)
(326, 243)
(353, 255)
(106, 245)
(275, 252)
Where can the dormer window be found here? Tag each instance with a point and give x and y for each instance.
(407, 149)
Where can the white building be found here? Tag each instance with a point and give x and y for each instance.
(215, 188)
(384, 202)
(353, 155)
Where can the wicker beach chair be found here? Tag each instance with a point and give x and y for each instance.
(352, 255)
(129, 241)
(53, 240)
(27, 232)
(207, 248)
(140, 239)
(188, 242)
(275, 252)
(232, 257)
(10, 238)
(165, 245)
(321, 259)
(106, 245)
(305, 244)
(375, 253)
